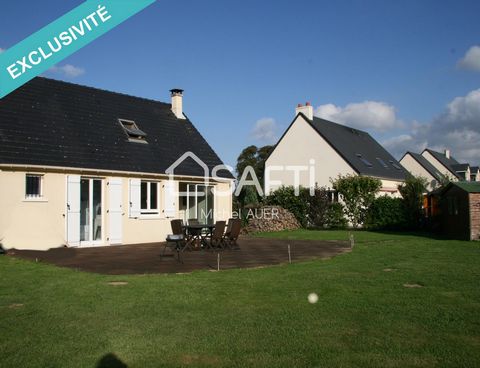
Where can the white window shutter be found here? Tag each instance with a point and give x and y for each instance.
(134, 198)
(115, 210)
(73, 210)
(170, 198)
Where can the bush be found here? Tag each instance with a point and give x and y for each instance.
(285, 197)
(334, 217)
(412, 193)
(386, 213)
(358, 193)
(317, 206)
(316, 210)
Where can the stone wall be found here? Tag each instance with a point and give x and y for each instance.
(270, 218)
(475, 216)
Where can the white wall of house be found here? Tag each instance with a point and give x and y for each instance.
(302, 144)
(438, 165)
(299, 146)
(41, 223)
(390, 188)
(412, 165)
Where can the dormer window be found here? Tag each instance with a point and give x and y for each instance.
(132, 131)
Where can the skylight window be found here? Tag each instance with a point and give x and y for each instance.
(364, 160)
(395, 165)
(382, 162)
(132, 131)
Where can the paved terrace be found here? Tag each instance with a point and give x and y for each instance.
(145, 258)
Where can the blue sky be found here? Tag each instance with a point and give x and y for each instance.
(392, 68)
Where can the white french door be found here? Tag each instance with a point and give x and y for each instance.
(200, 202)
(91, 211)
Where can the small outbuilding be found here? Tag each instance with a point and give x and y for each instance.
(459, 210)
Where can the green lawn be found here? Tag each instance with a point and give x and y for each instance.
(364, 317)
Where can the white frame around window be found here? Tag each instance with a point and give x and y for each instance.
(149, 211)
(40, 183)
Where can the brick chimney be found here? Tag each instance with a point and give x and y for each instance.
(306, 110)
(447, 153)
(177, 103)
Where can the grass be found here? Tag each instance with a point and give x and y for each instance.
(53, 317)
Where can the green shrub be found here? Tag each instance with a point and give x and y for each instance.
(334, 217)
(285, 197)
(314, 211)
(386, 213)
(412, 193)
(317, 206)
(358, 193)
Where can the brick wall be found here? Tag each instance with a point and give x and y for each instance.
(475, 216)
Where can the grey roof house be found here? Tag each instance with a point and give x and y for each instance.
(331, 149)
(438, 167)
(80, 166)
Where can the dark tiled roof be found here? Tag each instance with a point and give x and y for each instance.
(474, 169)
(427, 165)
(460, 167)
(53, 123)
(363, 153)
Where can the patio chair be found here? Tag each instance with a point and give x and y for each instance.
(230, 237)
(216, 241)
(176, 241)
(196, 233)
(229, 226)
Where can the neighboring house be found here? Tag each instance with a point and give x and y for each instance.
(458, 213)
(331, 149)
(446, 164)
(81, 166)
(439, 166)
(418, 165)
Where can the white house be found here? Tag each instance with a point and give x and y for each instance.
(313, 151)
(418, 165)
(81, 166)
(438, 167)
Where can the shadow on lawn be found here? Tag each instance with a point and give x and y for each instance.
(110, 361)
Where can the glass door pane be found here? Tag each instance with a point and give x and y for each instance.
(85, 210)
(97, 209)
(191, 202)
(202, 204)
(210, 204)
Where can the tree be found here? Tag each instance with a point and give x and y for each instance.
(254, 157)
(412, 192)
(358, 193)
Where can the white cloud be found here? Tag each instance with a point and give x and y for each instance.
(457, 129)
(471, 60)
(265, 130)
(374, 115)
(67, 70)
